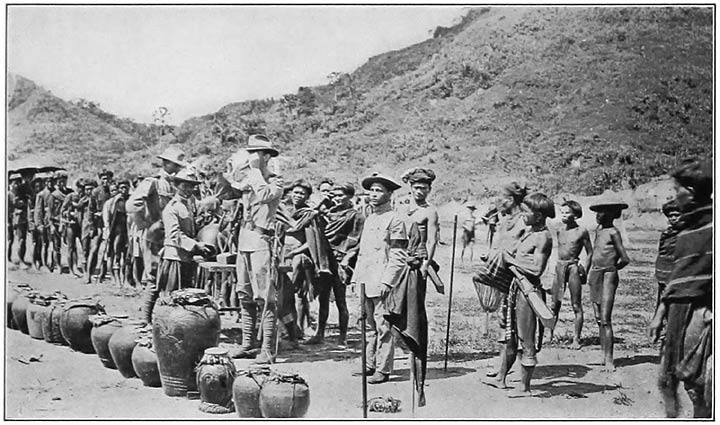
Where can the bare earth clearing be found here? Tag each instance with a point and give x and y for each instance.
(568, 383)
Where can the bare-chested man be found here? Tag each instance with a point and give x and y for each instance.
(530, 257)
(571, 239)
(422, 213)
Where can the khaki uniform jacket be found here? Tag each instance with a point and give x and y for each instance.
(260, 203)
(382, 253)
(41, 203)
(179, 222)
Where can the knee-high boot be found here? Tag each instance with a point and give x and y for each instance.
(148, 304)
(248, 318)
(268, 335)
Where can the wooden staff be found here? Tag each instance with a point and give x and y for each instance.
(452, 276)
(412, 381)
(362, 348)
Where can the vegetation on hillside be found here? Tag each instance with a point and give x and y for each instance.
(571, 99)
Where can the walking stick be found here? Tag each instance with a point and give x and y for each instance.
(412, 381)
(364, 342)
(452, 277)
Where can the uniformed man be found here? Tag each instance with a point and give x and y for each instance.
(42, 241)
(263, 192)
(176, 267)
(72, 216)
(57, 227)
(144, 208)
(380, 260)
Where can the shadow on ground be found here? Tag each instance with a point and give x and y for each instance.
(434, 373)
(560, 371)
(570, 389)
(636, 360)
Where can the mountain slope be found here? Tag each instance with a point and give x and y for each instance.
(571, 99)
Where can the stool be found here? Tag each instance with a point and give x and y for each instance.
(217, 273)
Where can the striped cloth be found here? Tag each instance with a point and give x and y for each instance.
(495, 274)
(691, 277)
(666, 255)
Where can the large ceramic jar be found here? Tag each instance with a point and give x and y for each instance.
(121, 346)
(38, 307)
(246, 391)
(284, 396)
(75, 324)
(19, 310)
(185, 323)
(51, 322)
(104, 326)
(144, 360)
(13, 292)
(215, 375)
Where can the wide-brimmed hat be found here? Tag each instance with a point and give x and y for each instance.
(12, 177)
(107, 173)
(608, 204)
(174, 155)
(60, 174)
(185, 176)
(260, 142)
(386, 181)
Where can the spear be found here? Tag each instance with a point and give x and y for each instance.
(362, 348)
(452, 276)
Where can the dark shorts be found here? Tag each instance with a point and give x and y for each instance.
(468, 236)
(596, 281)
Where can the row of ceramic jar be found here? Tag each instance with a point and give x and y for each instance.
(178, 352)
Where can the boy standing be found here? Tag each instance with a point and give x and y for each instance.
(571, 239)
(666, 247)
(608, 257)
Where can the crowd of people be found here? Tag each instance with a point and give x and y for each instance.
(289, 249)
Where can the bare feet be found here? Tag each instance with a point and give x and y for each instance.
(520, 393)
(608, 367)
(315, 340)
(575, 345)
(495, 383)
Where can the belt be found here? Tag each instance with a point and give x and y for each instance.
(264, 232)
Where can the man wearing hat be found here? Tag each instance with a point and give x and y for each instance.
(263, 191)
(381, 258)
(176, 267)
(42, 242)
(57, 227)
(144, 208)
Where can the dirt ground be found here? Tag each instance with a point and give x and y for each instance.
(568, 384)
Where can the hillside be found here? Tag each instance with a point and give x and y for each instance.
(571, 99)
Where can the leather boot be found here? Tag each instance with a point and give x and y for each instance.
(268, 336)
(148, 304)
(248, 317)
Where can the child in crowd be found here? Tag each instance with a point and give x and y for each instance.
(571, 239)
(608, 257)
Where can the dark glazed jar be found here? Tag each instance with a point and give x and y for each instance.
(246, 391)
(37, 308)
(75, 324)
(144, 360)
(104, 326)
(51, 322)
(215, 375)
(284, 396)
(12, 294)
(19, 310)
(121, 346)
(185, 324)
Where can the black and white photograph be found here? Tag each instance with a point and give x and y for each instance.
(359, 211)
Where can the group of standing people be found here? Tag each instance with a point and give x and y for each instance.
(289, 251)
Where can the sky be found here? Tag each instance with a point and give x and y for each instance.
(195, 59)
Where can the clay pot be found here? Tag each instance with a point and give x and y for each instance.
(185, 324)
(38, 307)
(121, 346)
(75, 324)
(51, 322)
(19, 311)
(284, 396)
(12, 294)
(144, 360)
(246, 391)
(104, 327)
(215, 374)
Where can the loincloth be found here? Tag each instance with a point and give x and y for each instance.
(595, 279)
(562, 275)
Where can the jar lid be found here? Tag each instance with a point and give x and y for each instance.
(216, 351)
